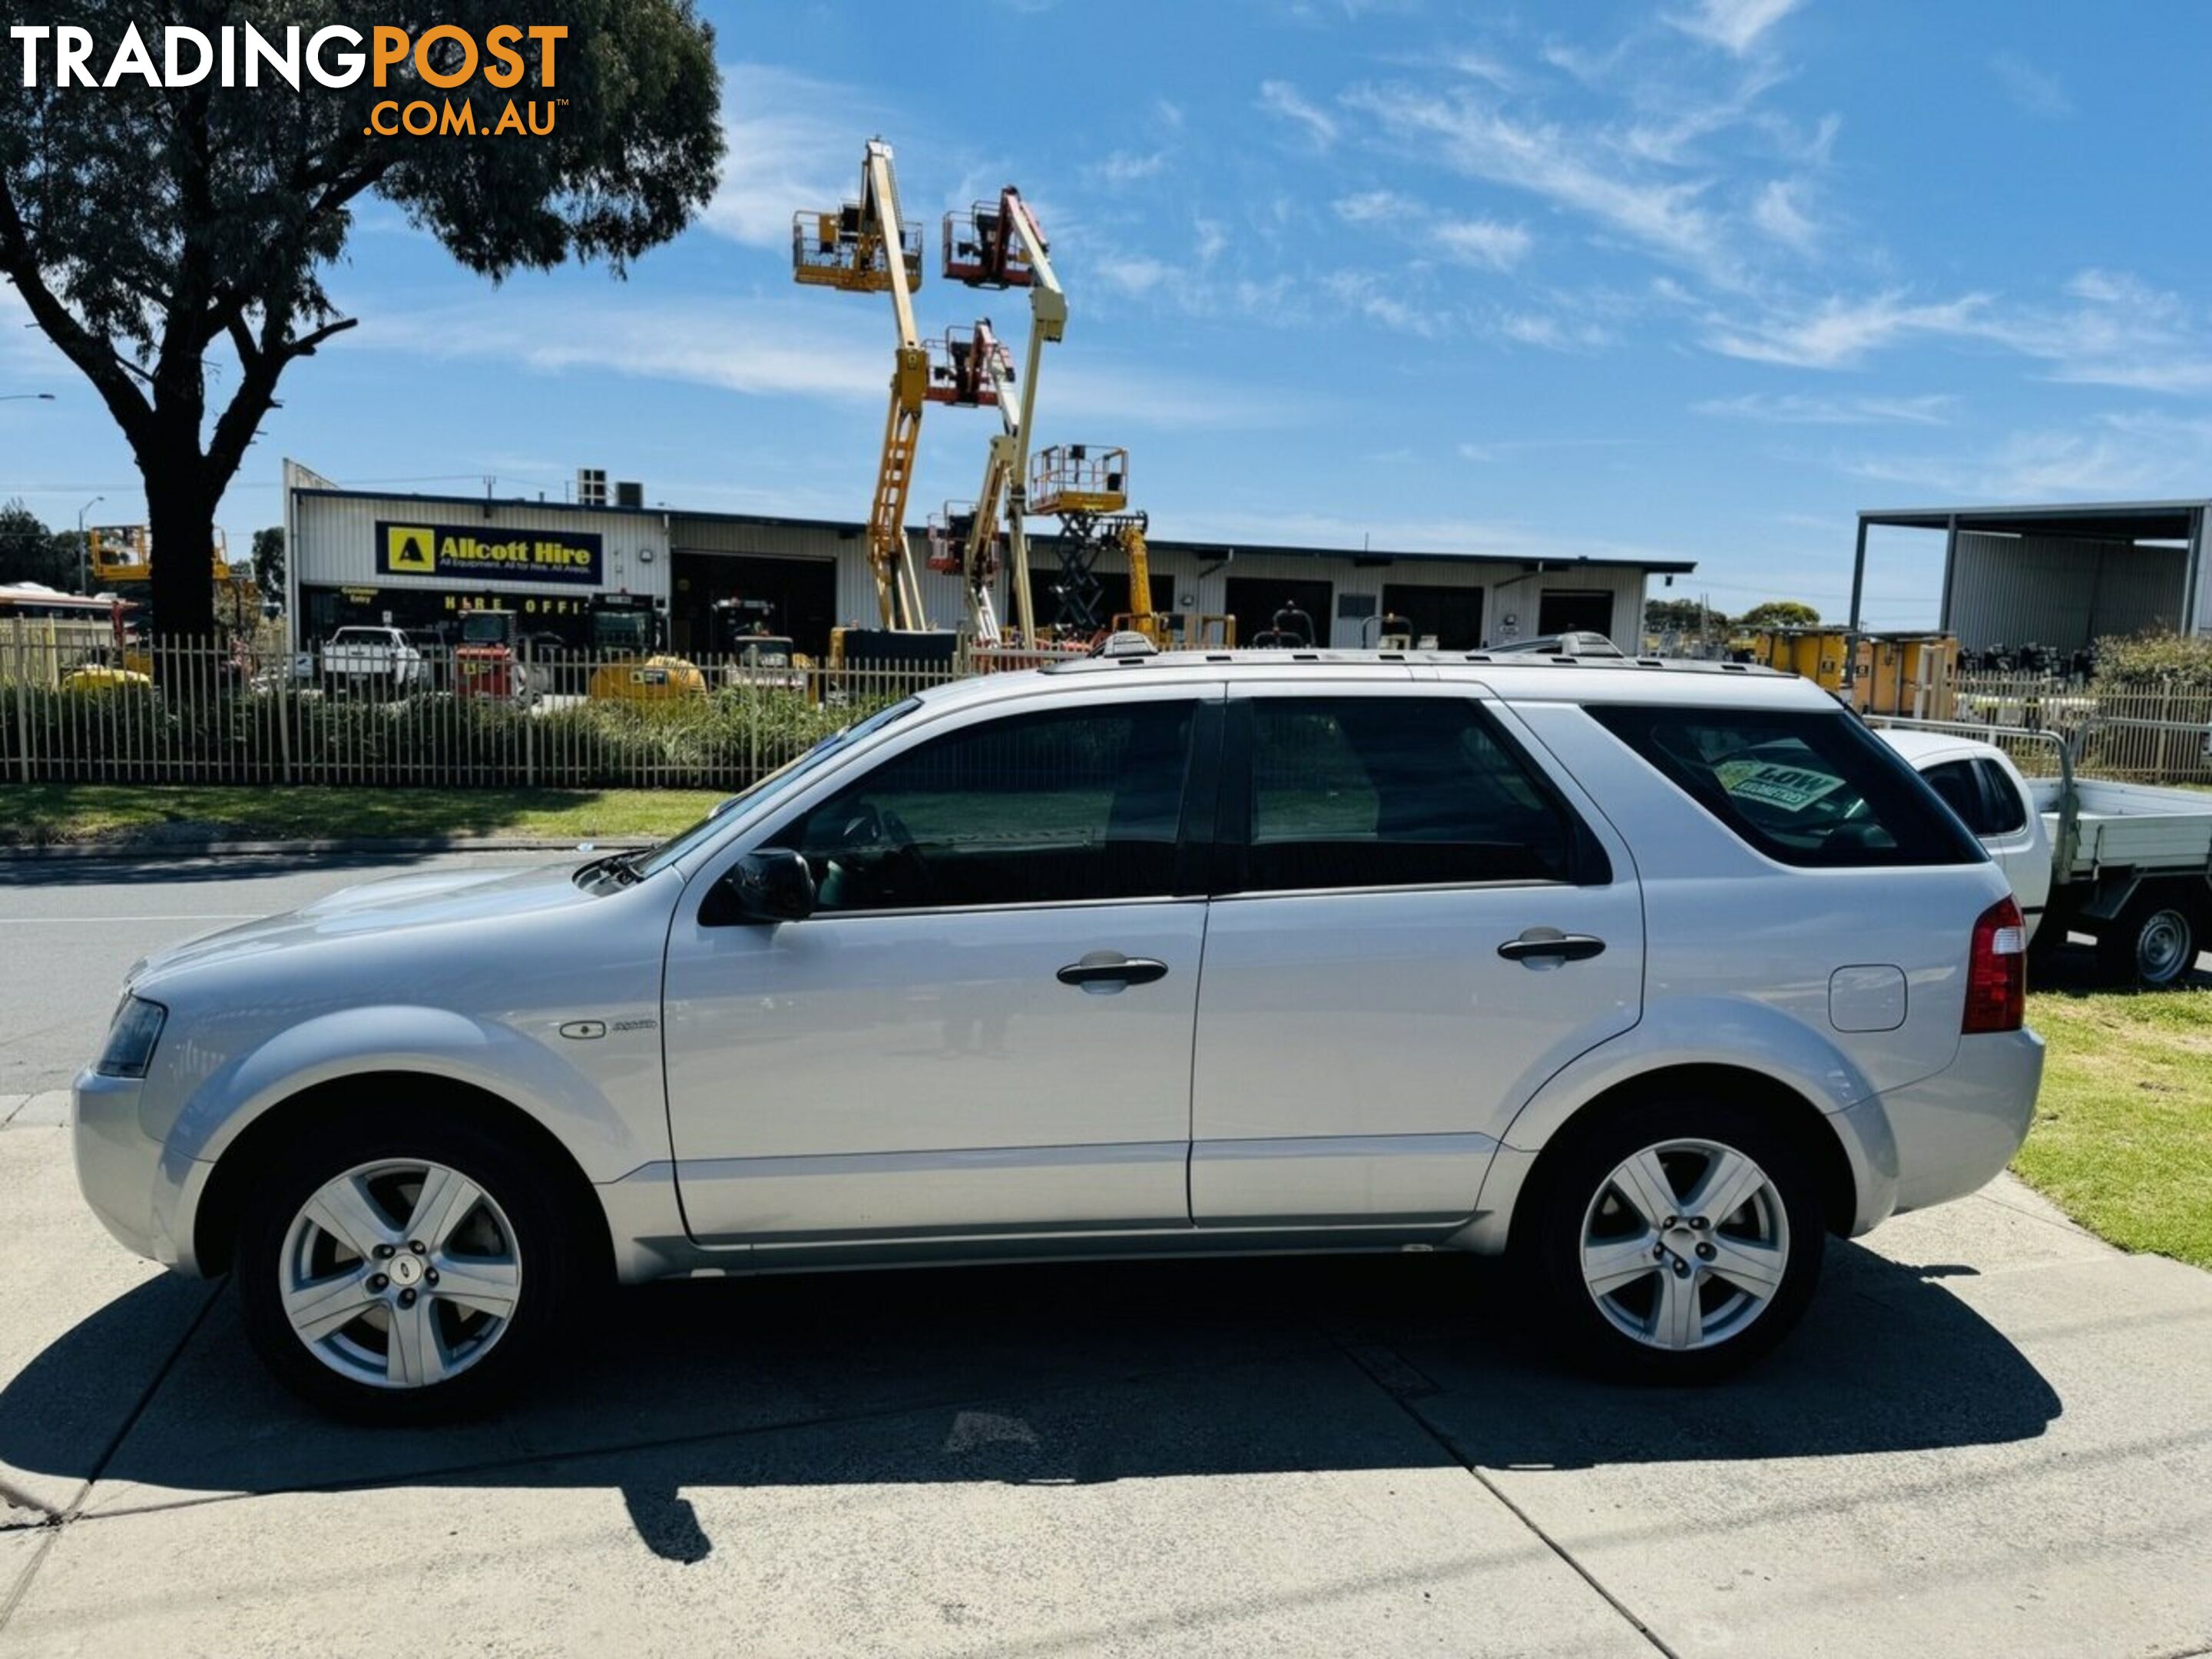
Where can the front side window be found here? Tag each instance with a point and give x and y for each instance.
(1809, 788)
(1390, 792)
(1035, 809)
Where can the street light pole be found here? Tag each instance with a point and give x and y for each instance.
(83, 583)
(27, 397)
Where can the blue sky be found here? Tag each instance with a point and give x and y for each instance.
(1695, 278)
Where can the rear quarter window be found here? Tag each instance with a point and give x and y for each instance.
(1809, 788)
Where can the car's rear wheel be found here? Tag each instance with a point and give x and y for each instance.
(1678, 1241)
(406, 1270)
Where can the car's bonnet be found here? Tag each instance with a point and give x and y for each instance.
(434, 899)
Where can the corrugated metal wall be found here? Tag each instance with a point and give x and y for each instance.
(2060, 590)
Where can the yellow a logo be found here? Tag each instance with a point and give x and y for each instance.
(409, 548)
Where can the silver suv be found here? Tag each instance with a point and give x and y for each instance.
(1653, 975)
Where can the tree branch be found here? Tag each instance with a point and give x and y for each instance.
(98, 361)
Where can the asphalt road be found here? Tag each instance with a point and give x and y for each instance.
(1993, 1435)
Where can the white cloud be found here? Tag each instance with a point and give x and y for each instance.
(1838, 333)
(1484, 242)
(1281, 97)
(1125, 167)
(791, 146)
(2109, 455)
(1550, 161)
(1369, 206)
(1548, 332)
(1211, 239)
(2030, 89)
(1735, 24)
(1776, 212)
(1136, 274)
(1796, 409)
(784, 348)
(1382, 301)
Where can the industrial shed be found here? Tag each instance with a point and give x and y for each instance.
(420, 561)
(2061, 575)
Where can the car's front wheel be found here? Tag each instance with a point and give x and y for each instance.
(1677, 1242)
(408, 1269)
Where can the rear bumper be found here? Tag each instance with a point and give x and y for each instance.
(1947, 1135)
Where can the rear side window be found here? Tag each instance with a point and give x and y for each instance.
(1389, 791)
(2007, 812)
(1813, 789)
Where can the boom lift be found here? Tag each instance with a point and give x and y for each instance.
(999, 245)
(865, 248)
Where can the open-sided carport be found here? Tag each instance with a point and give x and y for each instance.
(2060, 575)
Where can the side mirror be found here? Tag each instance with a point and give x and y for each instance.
(772, 885)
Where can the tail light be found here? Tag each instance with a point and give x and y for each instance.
(1997, 971)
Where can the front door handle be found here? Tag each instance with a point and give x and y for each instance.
(1102, 971)
(1545, 945)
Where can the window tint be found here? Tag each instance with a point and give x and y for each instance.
(1034, 809)
(1958, 788)
(2007, 812)
(1369, 792)
(1806, 789)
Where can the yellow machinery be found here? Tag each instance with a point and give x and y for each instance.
(647, 679)
(121, 554)
(999, 244)
(1168, 630)
(865, 248)
(1911, 674)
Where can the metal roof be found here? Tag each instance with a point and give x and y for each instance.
(1203, 550)
(2116, 521)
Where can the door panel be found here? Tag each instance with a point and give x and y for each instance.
(1359, 1053)
(949, 1044)
(871, 1075)
(1362, 1042)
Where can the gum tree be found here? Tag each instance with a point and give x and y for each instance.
(174, 243)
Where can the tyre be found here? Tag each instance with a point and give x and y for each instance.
(405, 1268)
(2154, 942)
(1676, 1242)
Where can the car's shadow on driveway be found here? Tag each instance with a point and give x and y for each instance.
(1042, 1375)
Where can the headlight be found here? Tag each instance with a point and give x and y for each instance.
(131, 1038)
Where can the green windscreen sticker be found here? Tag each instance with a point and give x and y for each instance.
(1790, 788)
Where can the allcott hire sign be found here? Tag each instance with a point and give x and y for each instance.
(446, 549)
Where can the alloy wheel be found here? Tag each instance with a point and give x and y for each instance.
(1684, 1245)
(399, 1274)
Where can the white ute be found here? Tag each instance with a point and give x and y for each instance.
(2129, 864)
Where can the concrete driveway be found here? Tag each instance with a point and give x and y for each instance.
(1993, 1435)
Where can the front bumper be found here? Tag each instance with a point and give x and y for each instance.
(141, 1193)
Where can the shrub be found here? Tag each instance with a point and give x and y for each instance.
(2152, 658)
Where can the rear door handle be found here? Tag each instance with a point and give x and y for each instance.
(1102, 971)
(1540, 945)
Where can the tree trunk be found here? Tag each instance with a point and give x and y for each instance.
(180, 513)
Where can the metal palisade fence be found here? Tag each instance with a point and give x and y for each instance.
(2134, 733)
(434, 714)
(76, 705)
